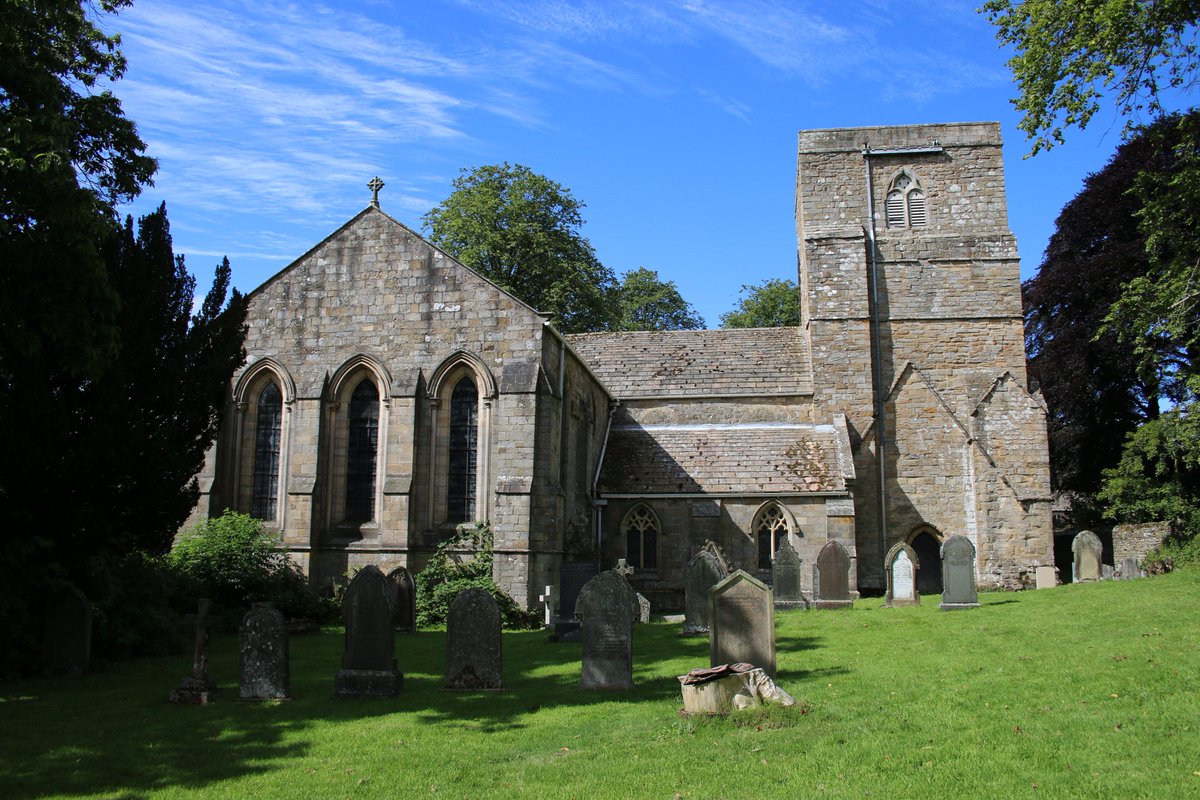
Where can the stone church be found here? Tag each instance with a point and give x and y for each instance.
(392, 395)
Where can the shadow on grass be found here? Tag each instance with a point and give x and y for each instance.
(115, 734)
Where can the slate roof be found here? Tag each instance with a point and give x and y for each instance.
(737, 361)
(764, 458)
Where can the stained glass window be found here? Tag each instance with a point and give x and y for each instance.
(266, 453)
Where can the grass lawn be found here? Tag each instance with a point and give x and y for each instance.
(1081, 691)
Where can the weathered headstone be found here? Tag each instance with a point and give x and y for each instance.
(369, 661)
(1086, 549)
(902, 570)
(831, 577)
(197, 689)
(643, 608)
(406, 600)
(263, 642)
(67, 646)
(473, 641)
(703, 572)
(785, 577)
(1130, 569)
(606, 608)
(710, 546)
(742, 618)
(1046, 577)
(958, 574)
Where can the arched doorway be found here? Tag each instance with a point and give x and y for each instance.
(929, 552)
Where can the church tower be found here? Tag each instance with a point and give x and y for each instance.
(910, 298)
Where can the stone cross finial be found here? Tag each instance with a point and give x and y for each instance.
(375, 185)
(623, 569)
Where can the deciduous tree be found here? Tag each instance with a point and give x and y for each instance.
(774, 303)
(522, 230)
(650, 304)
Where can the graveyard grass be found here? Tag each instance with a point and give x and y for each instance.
(1081, 691)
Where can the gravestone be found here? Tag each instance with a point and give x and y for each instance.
(712, 547)
(473, 641)
(958, 574)
(902, 569)
(1130, 570)
(197, 689)
(67, 644)
(572, 578)
(703, 573)
(263, 642)
(605, 607)
(831, 577)
(546, 598)
(1046, 577)
(406, 600)
(785, 577)
(369, 662)
(643, 608)
(1086, 549)
(742, 618)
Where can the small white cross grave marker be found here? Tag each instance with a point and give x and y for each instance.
(545, 598)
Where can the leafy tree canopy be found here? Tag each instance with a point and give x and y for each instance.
(68, 155)
(1071, 55)
(522, 231)
(774, 303)
(650, 304)
(1098, 383)
(1158, 477)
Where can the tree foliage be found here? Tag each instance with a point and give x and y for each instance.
(67, 157)
(773, 303)
(650, 304)
(1099, 383)
(522, 231)
(1158, 476)
(1072, 55)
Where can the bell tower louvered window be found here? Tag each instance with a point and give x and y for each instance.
(362, 448)
(905, 206)
(464, 451)
(268, 425)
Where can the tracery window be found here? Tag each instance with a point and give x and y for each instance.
(770, 526)
(463, 451)
(268, 427)
(362, 448)
(641, 538)
(906, 203)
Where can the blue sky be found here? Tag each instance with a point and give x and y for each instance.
(674, 121)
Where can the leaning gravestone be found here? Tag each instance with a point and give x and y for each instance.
(67, 646)
(606, 608)
(197, 689)
(742, 617)
(263, 642)
(902, 567)
(473, 641)
(785, 577)
(406, 600)
(643, 608)
(369, 662)
(703, 572)
(831, 577)
(1086, 549)
(958, 574)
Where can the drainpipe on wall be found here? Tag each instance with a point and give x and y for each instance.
(597, 502)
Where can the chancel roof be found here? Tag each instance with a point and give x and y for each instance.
(752, 458)
(730, 362)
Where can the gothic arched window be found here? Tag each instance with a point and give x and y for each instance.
(770, 525)
(905, 202)
(641, 538)
(268, 426)
(463, 451)
(362, 448)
